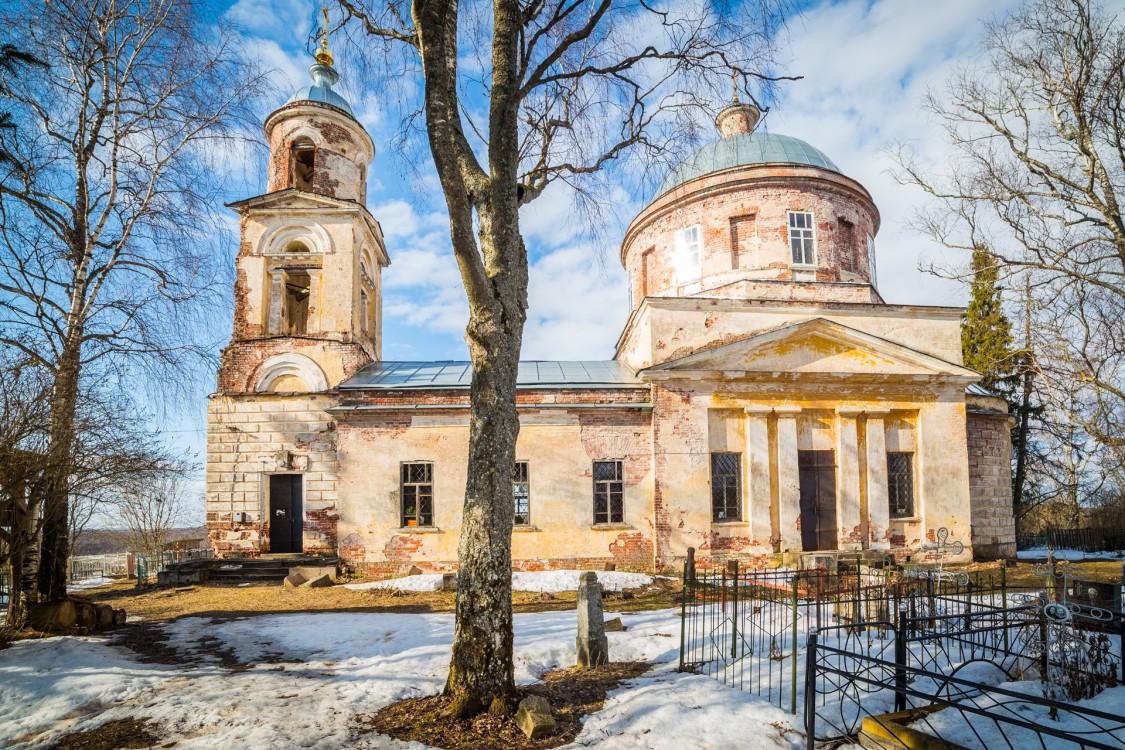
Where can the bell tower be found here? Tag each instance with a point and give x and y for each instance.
(308, 291)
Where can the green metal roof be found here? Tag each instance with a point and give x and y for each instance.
(458, 374)
(746, 150)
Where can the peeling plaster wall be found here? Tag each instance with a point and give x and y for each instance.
(245, 435)
(742, 214)
(560, 446)
(667, 329)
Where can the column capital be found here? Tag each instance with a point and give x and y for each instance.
(758, 411)
(851, 412)
(876, 412)
(787, 412)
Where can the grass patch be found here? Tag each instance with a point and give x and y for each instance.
(573, 694)
(119, 734)
(223, 602)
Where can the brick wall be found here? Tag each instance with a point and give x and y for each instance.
(743, 218)
(241, 361)
(245, 435)
(990, 484)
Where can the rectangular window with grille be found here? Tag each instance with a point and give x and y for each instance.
(417, 494)
(726, 486)
(900, 484)
(609, 492)
(521, 488)
(802, 238)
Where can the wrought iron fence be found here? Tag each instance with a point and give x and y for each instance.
(957, 681)
(747, 627)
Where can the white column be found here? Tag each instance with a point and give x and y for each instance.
(849, 525)
(878, 500)
(277, 290)
(313, 324)
(788, 480)
(758, 479)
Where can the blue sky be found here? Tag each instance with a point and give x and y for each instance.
(865, 68)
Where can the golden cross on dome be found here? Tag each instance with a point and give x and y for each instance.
(323, 55)
(734, 80)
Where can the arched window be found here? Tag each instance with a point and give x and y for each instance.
(303, 160)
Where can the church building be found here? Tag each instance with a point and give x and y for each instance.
(763, 397)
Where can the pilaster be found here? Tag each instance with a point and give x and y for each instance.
(878, 497)
(849, 524)
(788, 480)
(758, 479)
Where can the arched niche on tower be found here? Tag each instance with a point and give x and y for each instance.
(290, 373)
(301, 239)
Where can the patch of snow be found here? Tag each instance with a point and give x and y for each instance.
(1040, 553)
(91, 583)
(548, 581)
(313, 675)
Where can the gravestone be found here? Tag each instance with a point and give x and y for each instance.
(591, 643)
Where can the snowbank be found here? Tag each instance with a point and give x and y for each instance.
(550, 581)
(1040, 553)
(311, 675)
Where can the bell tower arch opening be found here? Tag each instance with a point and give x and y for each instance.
(302, 164)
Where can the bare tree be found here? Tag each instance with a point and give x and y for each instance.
(23, 449)
(150, 506)
(106, 211)
(112, 448)
(1038, 178)
(557, 90)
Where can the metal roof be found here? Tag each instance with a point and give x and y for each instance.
(457, 374)
(324, 78)
(745, 150)
(976, 389)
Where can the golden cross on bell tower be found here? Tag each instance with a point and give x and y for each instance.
(734, 81)
(323, 55)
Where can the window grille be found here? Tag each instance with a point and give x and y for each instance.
(802, 239)
(418, 494)
(609, 492)
(900, 484)
(726, 486)
(521, 489)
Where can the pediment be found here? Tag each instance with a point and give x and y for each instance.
(816, 346)
(293, 199)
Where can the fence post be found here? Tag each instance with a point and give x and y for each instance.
(1004, 602)
(969, 605)
(810, 690)
(1121, 622)
(900, 660)
(683, 612)
(734, 613)
(1044, 633)
(793, 680)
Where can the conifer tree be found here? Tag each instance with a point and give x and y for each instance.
(986, 332)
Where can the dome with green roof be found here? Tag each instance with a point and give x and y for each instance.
(745, 150)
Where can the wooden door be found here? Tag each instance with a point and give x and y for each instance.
(817, 471)
(287, 513)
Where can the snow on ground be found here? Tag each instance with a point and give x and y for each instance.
(306, 677)
(91, 583)
(1040, 553)
(550, 581)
